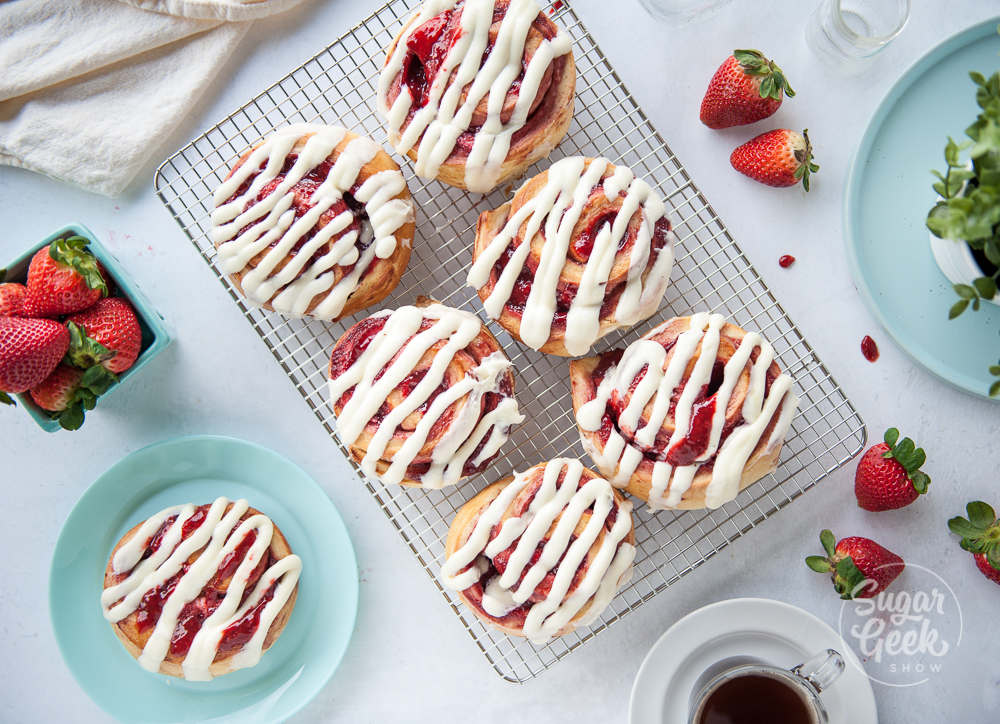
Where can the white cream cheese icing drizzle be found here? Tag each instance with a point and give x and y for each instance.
(446, 116)
(398, 348)
(219, 535)
(659, 385)
(557, 208)
(291, 289)
(609, 568)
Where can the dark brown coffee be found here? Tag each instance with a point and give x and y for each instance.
(756, 699)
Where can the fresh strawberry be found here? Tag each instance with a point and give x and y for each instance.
(29, 350)
(11, 299)
(889, 475)
(776, 158)
(108, 334)
(69, 391)
(980, 536)
(746, 88)
(63, 278)
(859, 567)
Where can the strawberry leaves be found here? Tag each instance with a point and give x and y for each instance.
(85, 352)
(94, 383)
(980, 532)
(72, 251)
(805, 160)
(848, 580)
(773, 81)
(911, 457)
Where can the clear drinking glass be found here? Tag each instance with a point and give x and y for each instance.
(848, 31)
(680, 9)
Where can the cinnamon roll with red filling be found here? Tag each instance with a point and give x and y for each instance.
(475, 92)
(424, 395)
(688, 415)
(542, 552)
(314, 221)
(582, 249)
(200, 591)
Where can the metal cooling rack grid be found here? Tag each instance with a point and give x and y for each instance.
(338, 86)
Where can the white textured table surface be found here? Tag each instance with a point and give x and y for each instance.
(410, 659)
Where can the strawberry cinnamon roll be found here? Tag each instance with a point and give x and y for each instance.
(199, 591)
(686, 416)
(314, 221)
(424, 395)
(582, 249)
(542, 552)
(474, 92)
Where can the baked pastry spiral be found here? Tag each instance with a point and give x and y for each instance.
(582, 249)
(199, 591)
(542, 552)
(314, 221)
(688, 415)
(424, 395)
(475, 91)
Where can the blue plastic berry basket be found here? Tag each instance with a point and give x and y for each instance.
(155, 336)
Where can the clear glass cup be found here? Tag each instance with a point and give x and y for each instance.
(680, 9)
(809, 679)
(849, 31)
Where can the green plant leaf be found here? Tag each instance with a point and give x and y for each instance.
(981, 514)
(6, 399)
(986, 287)
(964, 291)
(995, 389)
(957, 308)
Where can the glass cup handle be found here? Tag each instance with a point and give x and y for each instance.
(821, 670)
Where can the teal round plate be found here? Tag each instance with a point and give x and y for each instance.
(198, 470)
(887, 199)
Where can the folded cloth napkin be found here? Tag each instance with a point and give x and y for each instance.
(90, 88)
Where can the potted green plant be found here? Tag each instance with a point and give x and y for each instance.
(965, 222)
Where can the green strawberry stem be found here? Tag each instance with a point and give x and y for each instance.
(773, 81)
(805, 160)
(72, 251)
(85, 352)
(94, 383)
(980, 532)
(911, 457)
(848, 580)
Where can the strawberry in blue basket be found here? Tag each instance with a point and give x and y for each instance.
(69, 391)
(63, 278)
(889, 475)
(11, 298)
(29, 350)
(107, 334)
(980, 534)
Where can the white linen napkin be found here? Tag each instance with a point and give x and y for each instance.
(90, 88)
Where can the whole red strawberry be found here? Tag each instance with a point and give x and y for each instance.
(11, 299)
(980, 536)
(29, 350)
(746, 88)
(69, 391)
(889, 475)
(776, 158)
(108, 334)
(63, 278)
(859, 567)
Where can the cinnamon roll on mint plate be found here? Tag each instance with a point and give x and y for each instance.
(542, 552)
(314, 221)
(424, 395)
(475, 91)
(688, 415)
(197, 591)
(582, 249)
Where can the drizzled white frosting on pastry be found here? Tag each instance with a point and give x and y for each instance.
(292, 288)
(446, 116)
(609, 569)
(556, 208)
(219, 535)
(659, 385)
(397, 349)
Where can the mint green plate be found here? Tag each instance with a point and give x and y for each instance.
(199, 469)
(886, 202)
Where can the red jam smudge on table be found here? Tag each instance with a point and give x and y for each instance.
(869, 349)
(786, 261)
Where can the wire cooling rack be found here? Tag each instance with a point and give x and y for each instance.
(337, 86)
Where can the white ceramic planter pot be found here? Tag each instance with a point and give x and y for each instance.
(955, 260)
